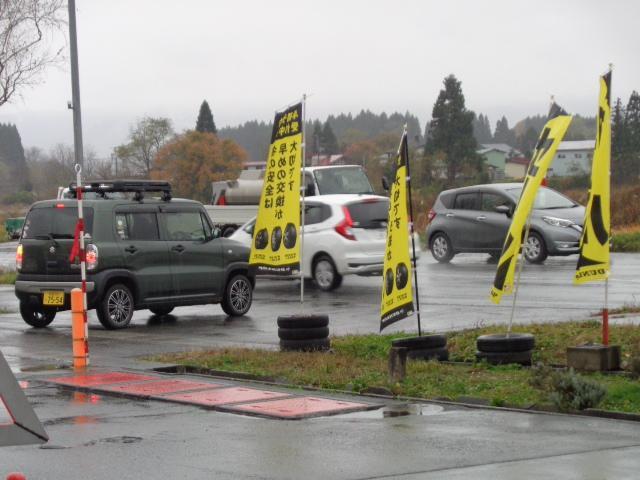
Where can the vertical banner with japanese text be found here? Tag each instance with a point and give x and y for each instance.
(543, 154)
(397, 295)
(275, 249)
(594, 262)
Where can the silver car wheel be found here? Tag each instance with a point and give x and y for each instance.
(324, 274)
(239, 294)
(119, 306)
(532, 248)
(440, 247)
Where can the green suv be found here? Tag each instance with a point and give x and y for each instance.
(141, 253)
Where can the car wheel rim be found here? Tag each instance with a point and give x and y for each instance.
(324, 274)
(440, 247)
(119, 306)
(532, 250)
(239, 295)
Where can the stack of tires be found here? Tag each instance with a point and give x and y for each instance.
(501, 349)
(304, 333)
(428, 347)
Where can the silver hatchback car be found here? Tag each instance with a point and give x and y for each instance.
(477, 218)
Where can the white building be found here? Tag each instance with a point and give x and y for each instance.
(573, 158)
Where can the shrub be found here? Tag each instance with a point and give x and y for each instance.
(573, 392)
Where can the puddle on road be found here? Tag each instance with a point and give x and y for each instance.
(392, 411)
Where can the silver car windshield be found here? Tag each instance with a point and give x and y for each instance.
(545, 198)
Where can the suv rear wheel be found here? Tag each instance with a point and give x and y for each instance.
(37, 317)
(441, 248)
(535, 251)
(325, 274)
(116, 307)
(238, 296)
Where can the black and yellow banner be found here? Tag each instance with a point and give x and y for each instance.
(275, 249)
(546, 147)
(594, 263)
(397, 295)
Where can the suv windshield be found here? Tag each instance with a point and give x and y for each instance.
(342, 180)
(545, 198)
(369, 214)
(55, 222)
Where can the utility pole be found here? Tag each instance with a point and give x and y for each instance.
(75, 86)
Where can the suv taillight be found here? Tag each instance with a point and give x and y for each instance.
(19, 256)
(431, 215)
(344, 227)
(91, 256)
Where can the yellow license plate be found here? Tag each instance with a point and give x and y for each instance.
(51, 298)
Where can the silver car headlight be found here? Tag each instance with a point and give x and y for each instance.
(558, 222)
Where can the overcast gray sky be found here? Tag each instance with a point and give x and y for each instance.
(248, 58)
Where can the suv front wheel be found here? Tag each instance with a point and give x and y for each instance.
(535, 251)
(37, 317)
(238, 296)
(116, 307)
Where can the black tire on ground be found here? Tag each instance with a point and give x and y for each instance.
(504, 358)
(228, 231)
(516, 342)
(306, 345)
(116, 307)
(441, 354)
(161, 311)
(325, 274)
(421, 343)
(535, 251)
(317, 333)
(37, 317)
(303, 321)
(441, 247)
(238, 295)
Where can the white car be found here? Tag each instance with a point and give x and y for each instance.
(343, 235)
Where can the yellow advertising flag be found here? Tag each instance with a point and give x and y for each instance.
(546, 147)
(397, 295)
(275, 249)
(593, 263)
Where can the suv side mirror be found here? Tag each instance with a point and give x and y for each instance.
(506, 209)
(385, 184)
(215, 233)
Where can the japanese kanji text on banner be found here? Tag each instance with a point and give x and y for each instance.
(397, 295)
(275, 249)
(593, 263)
(550, 138)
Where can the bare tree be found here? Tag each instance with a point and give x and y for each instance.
(145, 139)
(26, 31)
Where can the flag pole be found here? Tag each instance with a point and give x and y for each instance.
(303, 185)
(517, 283)
(605, 310)
(405, 145)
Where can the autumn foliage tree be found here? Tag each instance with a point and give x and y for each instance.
(195, 159)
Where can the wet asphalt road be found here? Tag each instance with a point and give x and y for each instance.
(110, 437)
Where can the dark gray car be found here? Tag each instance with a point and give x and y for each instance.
(477, 218)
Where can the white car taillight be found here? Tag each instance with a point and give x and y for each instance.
(19, 257)
(91, 255)
(344, 227)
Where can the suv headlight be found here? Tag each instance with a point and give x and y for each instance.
(558, 222)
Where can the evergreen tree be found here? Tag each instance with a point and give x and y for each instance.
(618, 140)
(205, 121)
(503, 133)
(14, 175)
(317, 138)
(631, 143)
(328, 140)
(450, 132)
(482, 129)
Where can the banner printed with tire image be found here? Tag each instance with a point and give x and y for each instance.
(543, 154)
(275, 249)
(594, 262)
(397, 295)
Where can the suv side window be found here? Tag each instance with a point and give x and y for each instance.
(491, 200)
(137, 226)
(467, 201)
(185, 226)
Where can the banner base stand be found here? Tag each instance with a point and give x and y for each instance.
(594, 357)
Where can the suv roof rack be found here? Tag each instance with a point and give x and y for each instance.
(139, 187)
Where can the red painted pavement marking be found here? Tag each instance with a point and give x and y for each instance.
(224, 395)
(300, 407)
(159, 387)
(100, 379)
